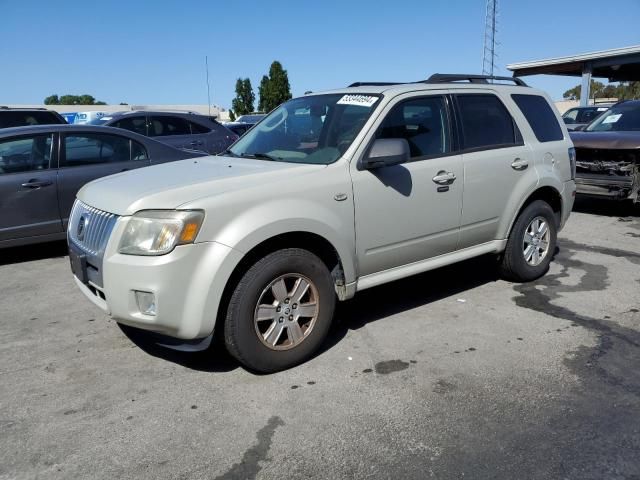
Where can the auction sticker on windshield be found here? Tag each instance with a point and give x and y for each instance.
(612, 118)
(359, 100)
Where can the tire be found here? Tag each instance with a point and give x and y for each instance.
(519, 262)
(266, 339)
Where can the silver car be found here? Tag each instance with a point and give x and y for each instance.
(331, 194)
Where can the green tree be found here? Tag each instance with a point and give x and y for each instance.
(52, 100)
(72, 100)
(245, 98)
(621, 91)
(279, 90)
(263, 91)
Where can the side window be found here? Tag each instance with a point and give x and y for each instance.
(197, 128)
(423, 122)
(164, 126)
(538, 113)
(570, 116)
(94, 149)
(138, 152)
(133, 124)
(486, 122)
(25, 154)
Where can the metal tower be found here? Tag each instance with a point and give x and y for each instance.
(489, 53)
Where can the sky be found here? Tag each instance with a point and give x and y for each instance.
(154, 52)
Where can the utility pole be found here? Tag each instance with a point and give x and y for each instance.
(489, 52)
(206, 66)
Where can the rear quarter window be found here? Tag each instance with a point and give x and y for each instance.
(540, 116)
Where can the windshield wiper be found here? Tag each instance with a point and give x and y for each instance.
(260, 156)
(229, 153)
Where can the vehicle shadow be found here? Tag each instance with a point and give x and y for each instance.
(605, 207)
(30, 253)
(402, 295)
(213, 359)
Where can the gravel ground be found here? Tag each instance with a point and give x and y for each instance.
(450, 374)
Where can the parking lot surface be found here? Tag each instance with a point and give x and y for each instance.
(449, 374)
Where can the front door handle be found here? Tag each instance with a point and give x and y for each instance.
(444, 178)
(33, 184)
(519, 164)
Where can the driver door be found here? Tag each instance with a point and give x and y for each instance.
(402, 214)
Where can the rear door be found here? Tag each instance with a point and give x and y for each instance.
(87, 156)
(28, 195)
(495, 161)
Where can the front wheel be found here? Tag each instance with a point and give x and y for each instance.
(531, 244)
(280, 311)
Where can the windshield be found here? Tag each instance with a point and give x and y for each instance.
(619, 118)
(315, 129)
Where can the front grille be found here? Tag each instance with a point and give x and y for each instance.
(89, 228)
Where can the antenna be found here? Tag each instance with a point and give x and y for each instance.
(490, 29)
(206, 64)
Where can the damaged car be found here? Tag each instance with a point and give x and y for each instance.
(608, 154)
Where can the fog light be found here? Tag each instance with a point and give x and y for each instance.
(146, 302)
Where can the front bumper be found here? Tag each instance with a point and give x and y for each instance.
(187, 284)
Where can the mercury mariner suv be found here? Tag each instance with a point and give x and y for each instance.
(332, 193)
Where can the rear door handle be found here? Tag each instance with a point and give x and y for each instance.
(33, 184)
(444, 178)
(519, 164)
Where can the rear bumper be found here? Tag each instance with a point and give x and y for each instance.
(568, 197)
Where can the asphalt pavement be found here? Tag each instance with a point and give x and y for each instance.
(450, 374)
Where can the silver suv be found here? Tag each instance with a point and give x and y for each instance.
(331, 194)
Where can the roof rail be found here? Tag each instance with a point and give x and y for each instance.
(471, 78)
(375, 84)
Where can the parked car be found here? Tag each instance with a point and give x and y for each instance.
(608, 153)
(578, 117)
(19, 117)
(244, 122)
(43, 167)
(331, 194)
(180, 130)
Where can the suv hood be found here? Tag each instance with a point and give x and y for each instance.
(606, 140)
(169, 185)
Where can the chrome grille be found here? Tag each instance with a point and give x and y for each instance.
(89, 228)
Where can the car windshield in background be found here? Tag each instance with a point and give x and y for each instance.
(250, 118)
(316, 129)
(620, 118)
(99, 121)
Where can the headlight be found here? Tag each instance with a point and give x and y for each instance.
(157, 232)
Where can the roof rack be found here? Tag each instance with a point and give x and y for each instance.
(471, 78)
(375, 84)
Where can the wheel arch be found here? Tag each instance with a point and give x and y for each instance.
(546, 193)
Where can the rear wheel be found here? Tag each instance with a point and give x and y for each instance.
(280, 311)
(531, 243)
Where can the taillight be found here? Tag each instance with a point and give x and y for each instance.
(572, 162)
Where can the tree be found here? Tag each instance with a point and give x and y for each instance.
(243, 103)
(621, 91)
(52, 100)
(274, 89)
(72, 100)
(263, 91)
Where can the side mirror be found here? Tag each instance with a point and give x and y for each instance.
(386, 152)
(568, 121)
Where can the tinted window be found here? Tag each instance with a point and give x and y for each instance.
(197, 128)
(25, 154)
(138, 152)
(541, 118)
(422, 122)
(133, 124)
(163, 126)
(486, 123)
(9, 118)
(619, 118)
(92, 149)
